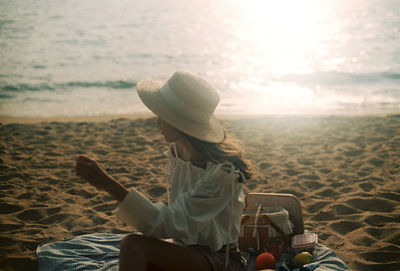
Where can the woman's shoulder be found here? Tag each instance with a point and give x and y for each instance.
(222, 171)
(218, 177)
(227, 171)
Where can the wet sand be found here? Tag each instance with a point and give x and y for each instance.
(345, 171)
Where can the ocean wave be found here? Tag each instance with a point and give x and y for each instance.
(107, 84)
(339, 78)
(4, 22)
(119, 84)
(392, 75)
(5, 96)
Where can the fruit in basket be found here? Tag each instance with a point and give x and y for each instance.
(275, 248)
(302, 258)
(265, 260)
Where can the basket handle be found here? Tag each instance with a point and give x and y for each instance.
(256, 220)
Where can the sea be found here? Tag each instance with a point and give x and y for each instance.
(66, 58)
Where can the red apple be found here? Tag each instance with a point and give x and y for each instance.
(265, 260)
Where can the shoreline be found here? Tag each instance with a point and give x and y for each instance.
(99, 118)
(145, 115)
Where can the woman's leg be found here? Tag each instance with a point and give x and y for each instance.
(138, 252)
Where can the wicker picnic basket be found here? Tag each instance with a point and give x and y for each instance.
(267, 220)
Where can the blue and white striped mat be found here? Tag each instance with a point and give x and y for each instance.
(100, 252)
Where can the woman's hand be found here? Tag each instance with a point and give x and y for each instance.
(92, 172)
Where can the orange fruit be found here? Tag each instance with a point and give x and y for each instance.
(265, 260)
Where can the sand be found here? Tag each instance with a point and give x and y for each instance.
(345, 170)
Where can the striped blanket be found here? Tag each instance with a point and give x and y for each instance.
(100, 252)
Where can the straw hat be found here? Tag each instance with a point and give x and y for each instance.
(185, 101)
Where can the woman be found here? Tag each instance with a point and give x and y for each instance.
(206, 197)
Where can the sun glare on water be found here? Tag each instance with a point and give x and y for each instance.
(285, 39)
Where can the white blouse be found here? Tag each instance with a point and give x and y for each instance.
(205, 205)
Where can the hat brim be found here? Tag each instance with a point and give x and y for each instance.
(149, 93)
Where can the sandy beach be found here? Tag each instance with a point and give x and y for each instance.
(345, 170)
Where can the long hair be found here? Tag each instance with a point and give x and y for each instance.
(226, 151)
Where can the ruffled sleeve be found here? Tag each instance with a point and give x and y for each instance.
(189, 213)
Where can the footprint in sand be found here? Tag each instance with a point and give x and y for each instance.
(52, 154)
(325, 170)
(324, 216)
(137, 149)
(354, 152)
(373, 205)
(313, 185)
(381, 220)
(7, 242)
(343, 209)
(6, 208)
(49, 180)
(362, 240)
(83, 193)
(305, 162)
(20, 263)
(66, 165)
(31, 215)
(10, 227)
(10, 176)
(37, 214)
(376, 162)
(117, 170)
(386, 234)
(252, 186)
(390, 195)
(264, 165)
(345, 190)
(105, 207)
(394, 238)
(367, 186)
(57, 218)
(44, 197)
(328, 193)
(292, 172)
(29, 245)
(344, 227)
(100, 152)
(156, 191)
(99, 220)
(363, 173)
(312, 177)
(317, 206)
(381, 257)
